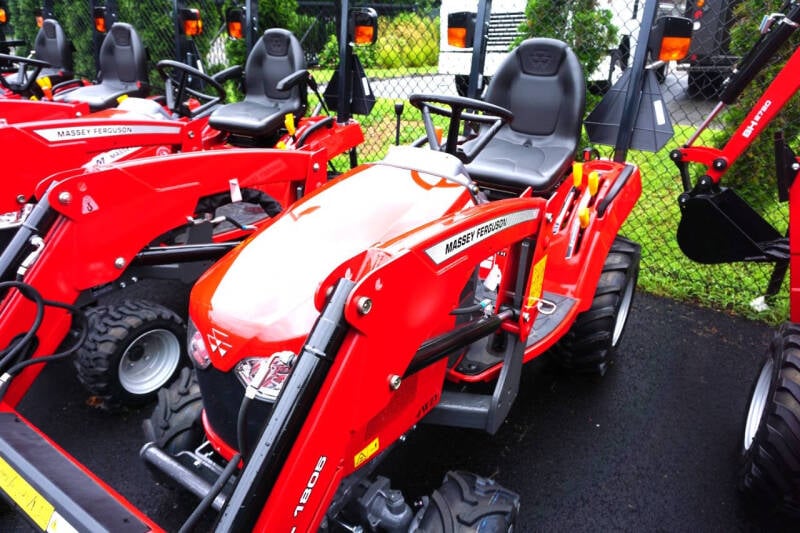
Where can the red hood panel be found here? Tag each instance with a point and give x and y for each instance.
(261, 295)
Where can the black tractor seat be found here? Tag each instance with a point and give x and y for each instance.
(541, 82)
(123, 71)
(275, 78)
(52, 47)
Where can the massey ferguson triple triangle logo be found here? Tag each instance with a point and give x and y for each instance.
(216, 342)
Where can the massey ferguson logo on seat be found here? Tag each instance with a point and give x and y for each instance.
(217, 342)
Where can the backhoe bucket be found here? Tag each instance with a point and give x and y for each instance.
(721, 227)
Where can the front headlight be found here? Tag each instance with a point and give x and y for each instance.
(264, 376)
(196, 347)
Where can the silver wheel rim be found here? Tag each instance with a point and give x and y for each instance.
(757, 403)
(624, 309)
(149, 361)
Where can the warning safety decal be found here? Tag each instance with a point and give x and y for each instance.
(31, 501)
(446, 249)
(104, 130)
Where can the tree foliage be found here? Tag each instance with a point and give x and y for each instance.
(755, 169)
(579, 23)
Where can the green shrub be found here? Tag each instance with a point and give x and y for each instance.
(407, 40)
(579, 23)
(754, 171)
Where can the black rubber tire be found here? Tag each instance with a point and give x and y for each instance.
(704, 85)
(769, 471)
(661, 74)
(462, 84)
(466, 503)
(116, 328)
(176, 424)
(594, 336)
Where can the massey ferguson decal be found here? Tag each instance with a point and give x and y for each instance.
(444, 250)
(105, 130)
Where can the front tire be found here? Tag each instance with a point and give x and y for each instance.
(133, 349)
(770, 444)
(175, 424)
(466, 503)
(592, 340)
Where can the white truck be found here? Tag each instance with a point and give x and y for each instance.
(504, 22)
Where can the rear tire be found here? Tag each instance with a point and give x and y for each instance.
(592, 340)
(175, 424)
(133, 349)
(770, 445)
(704, 85)
(466, 503)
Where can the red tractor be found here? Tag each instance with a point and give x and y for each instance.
(718, 226)
(134, 343)
(411, 289)
(276, 83)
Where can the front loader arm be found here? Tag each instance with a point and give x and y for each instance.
(403, 295)
(39, 149)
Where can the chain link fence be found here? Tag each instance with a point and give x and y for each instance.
(412, 55)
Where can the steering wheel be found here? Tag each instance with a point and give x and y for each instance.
(457, 110)
(177, 78)
(24, 78)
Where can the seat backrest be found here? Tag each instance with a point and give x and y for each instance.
(122, 56)
(51, 45)
(543, 85)
(275, 55)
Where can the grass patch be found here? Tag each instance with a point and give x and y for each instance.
(667, 272)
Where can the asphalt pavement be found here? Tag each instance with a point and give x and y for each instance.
(651, 446)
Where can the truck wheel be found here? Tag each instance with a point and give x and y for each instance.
(705, 85)
(132, 350)
(593, 338)
(661, 74)
(462, 84)
(175, 424)
(770, 444)
(468, 503)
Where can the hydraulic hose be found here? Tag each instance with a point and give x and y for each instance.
(758, 56)
(215, 489)
(14, 350)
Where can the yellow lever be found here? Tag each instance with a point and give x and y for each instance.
(288, 121)
(577, 173)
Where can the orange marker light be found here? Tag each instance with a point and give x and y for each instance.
(235, 30)
(193, 27)
(364, 35)
(674, 48)
(457, 37)
(3, 16)
(192, 22)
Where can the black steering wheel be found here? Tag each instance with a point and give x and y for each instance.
(179, 79)
(24, 79)
(458, 109)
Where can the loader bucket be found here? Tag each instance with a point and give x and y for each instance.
(720, 227)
